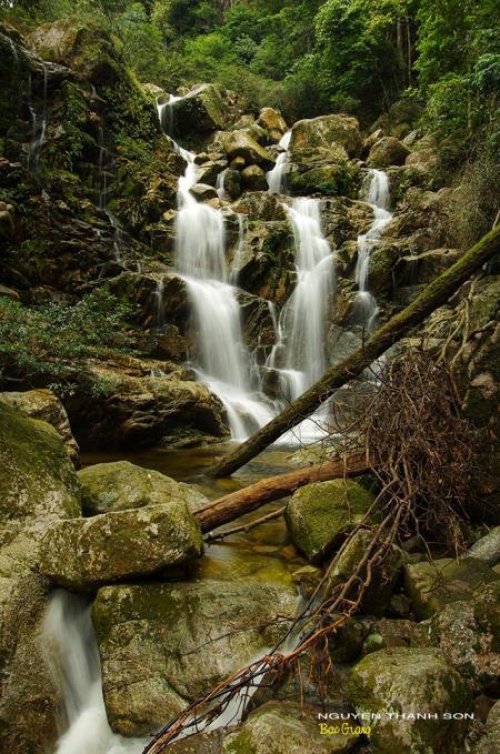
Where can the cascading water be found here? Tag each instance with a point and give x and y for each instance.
(222, 361)
(300, 353)
(276, 176)
(38, 124)
(72, 656)
(378, 197)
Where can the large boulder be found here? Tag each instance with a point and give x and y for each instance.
(320, 515)
(118, 486)
(264, 265)
(44, 405)
(273, 123)
(286, 728)
(199, 112)
(467, 634)
(434, 585)
(386, 152)
(487, 548)
(83, 554)
(320, 138)
(239, 144)
(410, 682)
(132, 412)
(38, 486)
(163, 645)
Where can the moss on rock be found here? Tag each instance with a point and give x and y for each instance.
(319, 515)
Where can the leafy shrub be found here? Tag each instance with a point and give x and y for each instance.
(50, 341)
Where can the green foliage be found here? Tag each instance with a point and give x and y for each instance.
(49, 341)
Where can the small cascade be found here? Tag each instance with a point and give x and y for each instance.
(219, 185)
(38, 123)
(276, 176)
(159, 304)
(300, 352)
(72, 656)
(240, 249)
(365, 307)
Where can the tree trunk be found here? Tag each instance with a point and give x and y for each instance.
(436, 294)
(238, 503)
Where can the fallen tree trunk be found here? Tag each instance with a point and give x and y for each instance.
(250, 498)
(436, 294)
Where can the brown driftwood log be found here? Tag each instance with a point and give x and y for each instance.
(436, 294)
(250, 498)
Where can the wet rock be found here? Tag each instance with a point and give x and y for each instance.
(466, 633)
(203, 193)
(319, 515)
(488, 743)
(232, 183)
(340, 178)
(285, 728)
(210, 171)
(273, 123)
(149, 680)
(199, 112)
(266, 264)
(138, 412)
(378, 595)
(386, 152)
(321, 138)
(261, 205)
(487, 548)
(415, 269)
(143, 291)
(118, 486)
(410, 681)
(44, 405)
(434, 585)
(83, 554)
(238, 144)
(253, 178)
(38, 485)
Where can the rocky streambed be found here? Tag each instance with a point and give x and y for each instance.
(171, 622)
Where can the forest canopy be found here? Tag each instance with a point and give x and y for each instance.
(310, 57)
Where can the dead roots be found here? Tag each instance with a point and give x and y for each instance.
(421, 451)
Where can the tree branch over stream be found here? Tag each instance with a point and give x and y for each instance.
(250, 498)
(436, 294)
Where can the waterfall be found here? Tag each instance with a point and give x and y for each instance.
(306, 312)
(378, 197)
(38, 125)
(276, 176)
(300, 353)
(222, 361)
(71, 652)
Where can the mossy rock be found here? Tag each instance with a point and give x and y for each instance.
(239, 144)
(37, 479)
(410, 681)
(319, 515)
(324, 135)
(339, 178)
(118, 486)
(192, 635)
(386, 152)
(285, 728)
(434, 585)
(84, 554)
(199, 112)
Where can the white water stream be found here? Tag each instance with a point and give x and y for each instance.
(71, 652)
(378, 197)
